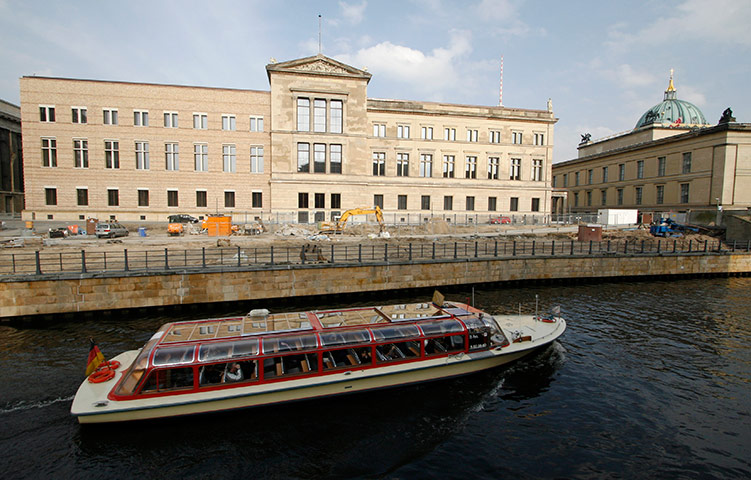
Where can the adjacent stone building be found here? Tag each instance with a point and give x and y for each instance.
(11, 160)
(308, 149)
(672, 161)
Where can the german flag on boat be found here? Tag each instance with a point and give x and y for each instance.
(95, 358)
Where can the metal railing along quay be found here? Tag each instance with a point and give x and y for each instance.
(44, 265)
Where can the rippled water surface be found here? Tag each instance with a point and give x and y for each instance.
(651, 380)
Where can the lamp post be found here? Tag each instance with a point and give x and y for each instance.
(718, 217)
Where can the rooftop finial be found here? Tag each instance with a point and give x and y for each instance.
(671, 87)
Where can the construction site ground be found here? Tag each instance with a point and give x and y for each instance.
(16, 238)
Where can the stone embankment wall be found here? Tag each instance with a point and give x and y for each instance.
(111, 292)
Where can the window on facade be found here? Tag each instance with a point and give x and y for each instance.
(449, 134)
(336, 117)
(229, 122)
(539, 138)
(256, 199)
(319, 158)
(143, 198)
(493, 165)
(660, 194)
(109, 116)
(537, 170)
(79, 115)
(229, 199)
(604, 174)
(401, 202)
(200, 121)
(576, 179)
(638, 195)
(81, 153)
(319, 200)
(470, 204)
(379, 129)
(335, 158)
(516, 138)
(686, 164)
(576, 199)
(379, 164)
(201, 157)
(471, 135)
(448, 202)
(378, 201)
(660, 166)
(684, 192)
(555, 180)
(619, 196)
(402, 164)
(319, 115)
(513, 204)
(448, 166)
(426, 133)
(640, 169)
(303, 114)
(303, 157)
(46, 113)
(140, 118)
(229, 158)
(516, 168)
(470, 167)
(495, 136)
(621, 172)
(256, 159)
(535, 204)
(170, 119)
(82, 197)
(50, 196)
(171, 156)
(603, 197)
(426, 165)
(256, 124)
(111, 154)
(49, 152)
(565, 179)
(302, 200)
(113, 197)
(425, 202)
(142, 155)
(336, 200)
(201, 198)
(590, 176)
(172, 198)
(402, 131)
(492, 204)
(589, 198)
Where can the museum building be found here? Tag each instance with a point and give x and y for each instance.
(305, 151)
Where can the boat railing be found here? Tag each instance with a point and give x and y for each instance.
(45, 265)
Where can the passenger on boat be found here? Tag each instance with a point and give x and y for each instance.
(234, 374)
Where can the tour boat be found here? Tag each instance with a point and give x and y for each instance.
(220, 364)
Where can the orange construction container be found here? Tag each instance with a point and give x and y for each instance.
(219, 226)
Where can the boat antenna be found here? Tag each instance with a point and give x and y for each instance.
(537, 316)
(473, 295)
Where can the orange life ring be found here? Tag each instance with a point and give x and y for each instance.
(102, 376)
(110, 365)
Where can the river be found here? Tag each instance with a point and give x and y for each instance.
(651, 380)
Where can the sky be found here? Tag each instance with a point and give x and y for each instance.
(603, 63)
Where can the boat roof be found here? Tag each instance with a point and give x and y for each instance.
(261, 322)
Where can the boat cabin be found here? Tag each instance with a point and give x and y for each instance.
(262, 348)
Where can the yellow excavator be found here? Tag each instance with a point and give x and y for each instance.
(338, 226)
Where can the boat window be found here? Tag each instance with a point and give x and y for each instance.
(444, 345)
(135, 373)
(479, 333)
(397, 331)
(344, 337)
(288, 365)
(174, 355)
(441, 326)
(289, 343)
(168, 379)
(347, 357)
(218, 351)
(230, 372)
(394, 352)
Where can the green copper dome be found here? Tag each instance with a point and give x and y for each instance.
(672, 111)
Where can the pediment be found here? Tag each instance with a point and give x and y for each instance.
(318, 65)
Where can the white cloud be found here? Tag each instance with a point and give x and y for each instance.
(625, 76)
(497, 10)
(353, 13)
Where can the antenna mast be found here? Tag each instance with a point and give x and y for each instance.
(500, 93)
(319, 34)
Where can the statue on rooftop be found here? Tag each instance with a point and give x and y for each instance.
(727, 116)
(586, 138)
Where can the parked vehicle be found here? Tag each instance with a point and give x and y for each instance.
(110, 230)
(501, 220)
(182, 218)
